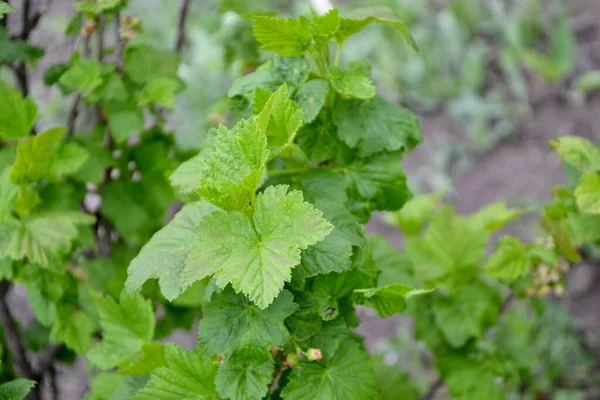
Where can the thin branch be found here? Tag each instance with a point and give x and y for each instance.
(13, 340)
(25, 31)
(100, 37)
(437, 385)
(73, 113)
(183, 11)
(46, 359)
(35, 20)
(118, 42)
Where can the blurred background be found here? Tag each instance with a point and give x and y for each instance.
(494, 82)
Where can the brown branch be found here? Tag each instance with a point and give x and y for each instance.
(33, 22)
(183, 11)
(13, 341)
(118, 43)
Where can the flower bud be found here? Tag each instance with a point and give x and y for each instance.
(313, 354)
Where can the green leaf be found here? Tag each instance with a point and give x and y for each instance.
(42, 238)
(143, 63)
(375, 125)
(326, 25)
(120, 205)
(245, 381)
(160, 91)
(469, 379)
(68, 159)
(151, 358)
(35, 155)
(8, 194)
(256, 258)
(588, 82)
(232, 171)
(284, 121)
(311, 97)
(124, 119)
(187, 375)
(19, 388)
(234, 328)
(165, 254)
(346, 376)
(395, 383)
(494, 216)
(17, 115)
(84, 75)
(451, 244)
(318, 139)
(187, 177)
(579, 152)
(6, 9)
(286, 36)
(510, 260)
(395, 266)
(466, 314)
(126, 327)
(359, 18)
(587, 193)
(75, 329)
(94, 7)
(417, 211)
(17, 50)
(388, 300)
(354, 81)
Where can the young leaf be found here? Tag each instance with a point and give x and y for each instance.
(143, 62)
(75, 329)
(494, 216)
(164, 255)
(244, 381)
(311, 97)
(587, 193)
(416, 213)
(285, 120)
(256, 257)
(160, 91)
(579, 152)
(375, 125)
(326, 25)
(286, 36)
(388, 300)
(35, 156)
(354, 81)
(124, 119)
(84, 75)
(359, 18)
(187, 375)
(6, 9)
(68, 159)
(151, 358)
(126, 326)
(237, 330)
(17, 114)
(19, 388)
(346, 376)
(510, 260)
(232, 171)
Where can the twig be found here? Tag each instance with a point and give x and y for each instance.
(35, 20)
(25, 31)
(74, 110)
(183, 10)
(437, 385)
(118, 43)
(100, 37)
(46, 359)
(13, 341)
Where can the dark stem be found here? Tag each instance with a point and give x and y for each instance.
(25, 29)
(100, 37)
(74, 111)
(13, 341)
(437, 385)
(183, 10)
(4, 20)
(118, 42)
(33, 22)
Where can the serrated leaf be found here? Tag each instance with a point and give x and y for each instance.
(346, 376)
(142, 63)
(234, 328)
(359, 18)
(465, 315)
(578, 151)
(75, 329)
(126, 327)
(187, 375)
(450, 244)
(353, 81)
(292, 70)
(284, 121)
(510, 260)
(326, 25)
(494, 216)
(467, 379)
(8, 193)
(244, 381)
(311, 97)
(416, 212)
(286, 36)
(6, 9)
(96, 7)
(84, 75)
(256, 258)
(35, 155)
(68, 159)
(19, 388)
(587, 193)
(395, 266)
(17, 114)
(41, 238)
(319, 140)
(165, 254)
(160, 91)
(152, 357)
(388, 300)
(375, 125)
(232, 171)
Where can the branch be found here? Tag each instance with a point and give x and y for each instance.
(33, 22)
(183, 10)
(13, 341)
(118, 43)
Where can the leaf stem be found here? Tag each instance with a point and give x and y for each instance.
(183, 11)
(338, 55)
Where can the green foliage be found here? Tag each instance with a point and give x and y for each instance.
(268, 248)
